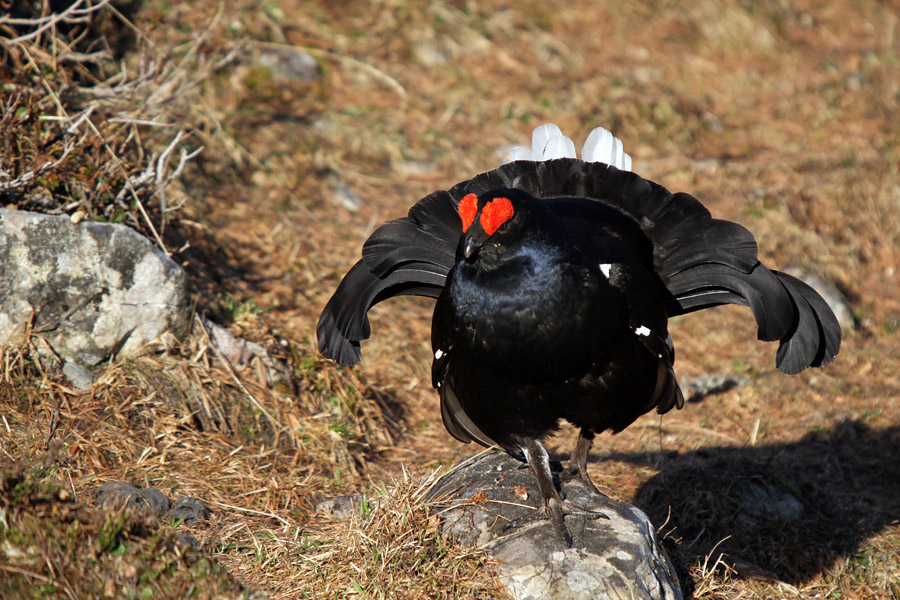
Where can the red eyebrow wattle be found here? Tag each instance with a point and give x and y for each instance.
(468, 206)
(495, 213)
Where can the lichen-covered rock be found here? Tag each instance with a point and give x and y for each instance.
(91, 290)
(493, 504)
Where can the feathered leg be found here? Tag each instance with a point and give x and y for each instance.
(578, 460)
(539, 461)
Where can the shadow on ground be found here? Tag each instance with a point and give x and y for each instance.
(785, 511)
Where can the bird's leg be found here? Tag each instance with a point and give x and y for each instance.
(539, 461)
(578, 460)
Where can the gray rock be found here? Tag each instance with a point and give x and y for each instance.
(288, 63)
(91, 290)
(831, 295)
(188, 510)
(492, 502)
(116, 494)
(188, 543)
(343, 507)
(240, 352)
(699, 388)
(347, 198)
(80, 377)
(762, 500)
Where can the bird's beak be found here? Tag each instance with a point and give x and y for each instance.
(470, 249)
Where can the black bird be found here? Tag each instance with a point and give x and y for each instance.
(554, 281)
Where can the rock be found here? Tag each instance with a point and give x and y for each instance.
(115, 494)
(646, 74)
(347, 198)
(239, 352)
(189, 543)
(855, 81)
(762, 500)
(491, 503)
(187, 509)
(410, 169)
(80, 377)
(90, 290)
(699, 388)
(343, 507)
(287, 62)
(429, 55)
(831, 295)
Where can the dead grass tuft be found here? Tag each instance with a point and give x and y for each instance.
(52, 544)
(92, 131)
(390, 548)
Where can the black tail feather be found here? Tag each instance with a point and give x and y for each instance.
(702, 261)
(816, 337)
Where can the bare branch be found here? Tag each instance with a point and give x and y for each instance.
(73, 14)
(24, 180)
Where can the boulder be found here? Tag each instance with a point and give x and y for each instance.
(493, 504)
(90, 290)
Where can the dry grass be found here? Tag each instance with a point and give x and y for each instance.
(390, 547)
(781, 115)
(55, 546)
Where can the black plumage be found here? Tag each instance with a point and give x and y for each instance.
(561, 312)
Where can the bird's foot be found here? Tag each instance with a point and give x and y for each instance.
(574, 472)
(556, 511)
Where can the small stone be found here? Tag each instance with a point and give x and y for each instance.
(189, 510)
(79, 377)
(347, 198)
(343, 507)
(411, 169)
(855, 81)
(116, 494)
(188, 542)
(288, 63)
(698, 388)
(429, 55)
(712, 122)
(152, 500)
(646, 74)
(830, 294)
(764, 500)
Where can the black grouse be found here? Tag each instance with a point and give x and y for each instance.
(554, 279)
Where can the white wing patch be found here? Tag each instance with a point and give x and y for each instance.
(548, 142)
(604, 268)
(438, 354)
(642, 330)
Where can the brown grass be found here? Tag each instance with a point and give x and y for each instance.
(781, 115)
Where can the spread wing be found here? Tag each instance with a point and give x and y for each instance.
(408, 256)
(701, 261)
